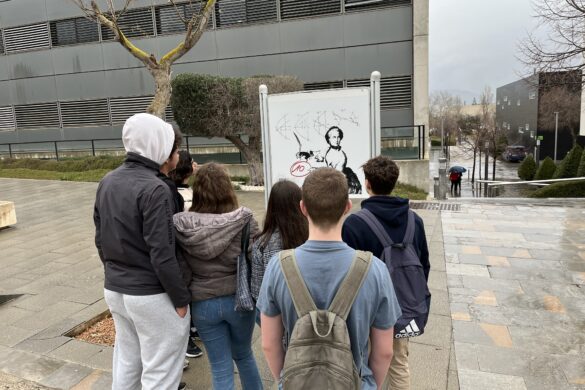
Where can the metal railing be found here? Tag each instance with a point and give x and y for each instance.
(492, 186)
(401, 136)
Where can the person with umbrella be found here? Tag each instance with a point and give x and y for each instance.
(455, 175)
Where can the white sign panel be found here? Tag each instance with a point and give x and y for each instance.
(310, 130)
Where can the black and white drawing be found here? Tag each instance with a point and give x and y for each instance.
(336, 158)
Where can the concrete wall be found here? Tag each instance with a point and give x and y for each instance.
(414, 172)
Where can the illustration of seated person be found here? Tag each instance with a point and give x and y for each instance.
(313, 157)
(336, 158)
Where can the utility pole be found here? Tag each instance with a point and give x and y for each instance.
(443, 135)
(486, 158)
(556, 134)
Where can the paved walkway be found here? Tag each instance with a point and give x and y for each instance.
(514, 309)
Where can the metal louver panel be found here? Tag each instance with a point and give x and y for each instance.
(260, 10)
(231, 12)
(323, 85)
(169, 114)
(134, 23)
(168, 20)
(73, 31)
(29, 37)
(85, 113)
(358, 5)
(290, 9)
(395, 91)
(43, 115)
(123, 108)
(7, 118)
(1, 43)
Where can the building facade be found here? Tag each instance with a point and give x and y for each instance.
(525, 109)
(63, 77)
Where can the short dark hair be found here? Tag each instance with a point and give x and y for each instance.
(325, 196)
(327, 136)
(177, 142)
(382, 174)
(184, 168)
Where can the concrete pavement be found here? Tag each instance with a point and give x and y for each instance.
(511, 288)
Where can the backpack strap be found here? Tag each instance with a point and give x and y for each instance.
(409, 235)
(349, 288)
(299, 292)
(370, 219)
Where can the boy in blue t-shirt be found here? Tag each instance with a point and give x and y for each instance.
(324, 260)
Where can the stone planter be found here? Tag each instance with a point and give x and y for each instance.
(7, 214)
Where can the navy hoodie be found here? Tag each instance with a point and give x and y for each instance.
(392, 212)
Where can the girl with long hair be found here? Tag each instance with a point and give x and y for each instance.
(209, 238)
(285, 227)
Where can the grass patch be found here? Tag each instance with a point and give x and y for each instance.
(24, 173)
(74, 164)
(408, 191)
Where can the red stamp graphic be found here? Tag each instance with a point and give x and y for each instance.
(300, 169)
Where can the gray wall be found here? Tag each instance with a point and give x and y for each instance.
(508, 112)
(323, 48)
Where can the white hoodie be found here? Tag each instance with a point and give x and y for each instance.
(148, 136)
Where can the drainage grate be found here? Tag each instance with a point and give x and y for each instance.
(7, 298)
(435, 206)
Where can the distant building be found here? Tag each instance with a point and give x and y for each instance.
(521, 109)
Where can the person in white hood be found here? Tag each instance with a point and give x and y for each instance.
(143, 287)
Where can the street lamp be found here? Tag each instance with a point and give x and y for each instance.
(556, 133)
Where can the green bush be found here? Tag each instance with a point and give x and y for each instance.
(527, 168)
(546, 170)
(581, 170)
(436, 141)
(570, 165)
(568, 189)
(77, 164)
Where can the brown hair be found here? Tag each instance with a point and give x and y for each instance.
(325, 196)
(212, 190)
(382, 174)
(177, 142)
(184, 168)
(284, 213)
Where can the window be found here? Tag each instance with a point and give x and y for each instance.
(43, 115)
(29, 37)
(395, 91)
(7, 118)
(509, 102)
(290, 9)
(527, 126)
(323, 85)
(1, 43)
(358, 5)
(505, 98)
(171, 19)
(85, 113)
(532, 95)
(518, 103)
(169, 114)
(133, 23)
(232, 12)
(498, 103)
(72, 31)
(520, 129)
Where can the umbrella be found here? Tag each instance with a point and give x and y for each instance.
(457, 168)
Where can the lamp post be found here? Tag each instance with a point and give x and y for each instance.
(486, 158)
(556, 133)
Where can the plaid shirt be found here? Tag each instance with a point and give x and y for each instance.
(260, 258)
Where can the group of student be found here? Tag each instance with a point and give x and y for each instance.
(170, 255)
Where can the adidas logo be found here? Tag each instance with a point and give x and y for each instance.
(411, 330)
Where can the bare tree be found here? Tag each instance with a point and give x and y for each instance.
(565, 47)
(490, 133)
(565, 101)
(160, 69)
(445, 113)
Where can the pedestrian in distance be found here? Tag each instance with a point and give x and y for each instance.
(285, 227)
(327, 301)
(390, 230)
(135, 240)
(455, 179)
(209, 238)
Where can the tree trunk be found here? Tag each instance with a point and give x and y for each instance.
(494, 165)
(162, 94)
(251, 152)
(474, 159)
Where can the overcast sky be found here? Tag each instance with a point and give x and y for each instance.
(473, 43)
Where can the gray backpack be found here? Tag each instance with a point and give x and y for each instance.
(319, 353)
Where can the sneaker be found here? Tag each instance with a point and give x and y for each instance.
(182, 386)
(193, 351)
(195, 336)
(185, 364)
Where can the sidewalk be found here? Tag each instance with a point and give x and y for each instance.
(514, 310)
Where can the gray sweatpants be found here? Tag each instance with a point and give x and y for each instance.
(151, 340)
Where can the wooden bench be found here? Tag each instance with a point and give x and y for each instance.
(7, 214)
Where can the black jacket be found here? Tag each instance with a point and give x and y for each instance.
(392, 212)
(133, 215)
(178, 201)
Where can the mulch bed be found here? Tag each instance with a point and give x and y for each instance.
(102, 333)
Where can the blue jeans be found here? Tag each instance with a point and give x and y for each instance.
(227, 336)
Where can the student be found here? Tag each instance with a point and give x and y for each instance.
(169, 165)
(209, 238)
(135, 241)
(181, 174)
(285, 227)
(324, 261)
(393, 213)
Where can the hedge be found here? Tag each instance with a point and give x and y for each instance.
(527, 168)
(546, 170)
(568, 189)
(570, 165)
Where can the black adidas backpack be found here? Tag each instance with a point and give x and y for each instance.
(407, 275)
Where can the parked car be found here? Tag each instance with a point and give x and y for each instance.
(514, 153)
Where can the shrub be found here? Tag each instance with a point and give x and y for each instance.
(527, 168)
(581, 170)
(568, 189)
(570, 164)
(546, 170)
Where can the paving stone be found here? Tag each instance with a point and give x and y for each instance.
(47, 298)
(76, 351)
(429, 366)
(10, 314)
(42, 345)
(66, 376)
(437, 332)
(437, 280)
(32, 368)
(440, 302)
(471, 333)
(466, 356)
(50, 315)
(12, 335)
(478, 380)
(97, 380)
(102, 360)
